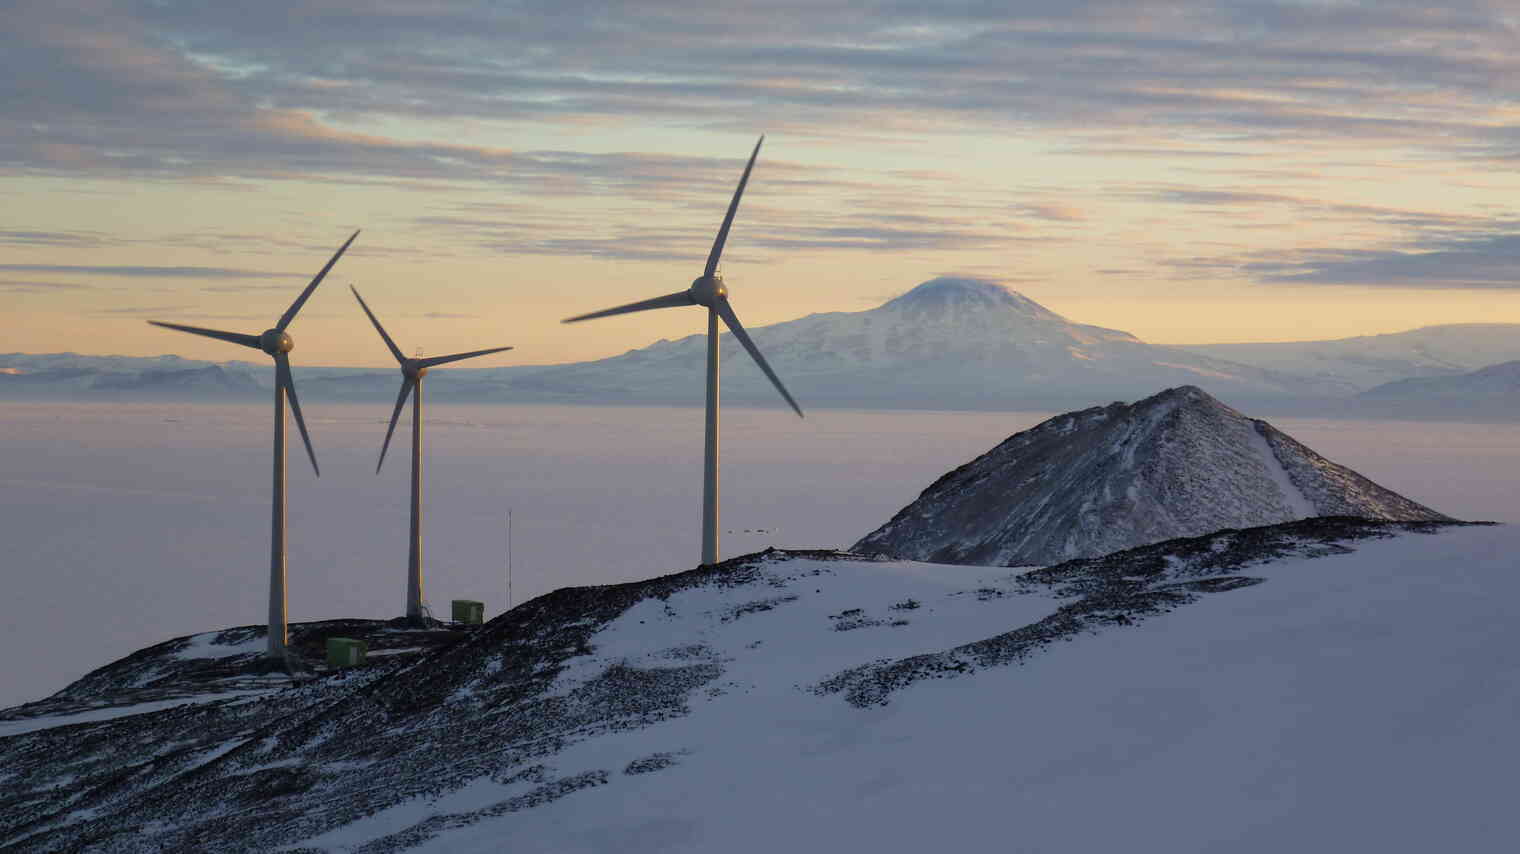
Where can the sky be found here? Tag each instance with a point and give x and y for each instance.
(1190, 172)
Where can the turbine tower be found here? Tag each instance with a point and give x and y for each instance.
(709, 291)
(278, 344)
(412, 371)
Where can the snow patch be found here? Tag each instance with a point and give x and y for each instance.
(202, 646)
(106, 713)
(1298, 503)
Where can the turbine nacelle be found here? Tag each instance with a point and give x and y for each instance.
(277, 344)
(708, 290)
(412, 371)
(276, 341)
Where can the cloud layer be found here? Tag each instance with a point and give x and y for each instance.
(1129, 148)
(184, 88)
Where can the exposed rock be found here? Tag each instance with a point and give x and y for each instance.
(1177, 464)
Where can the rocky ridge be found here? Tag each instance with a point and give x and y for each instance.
(1087, 483)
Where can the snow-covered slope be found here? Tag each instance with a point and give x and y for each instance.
(1368, 360)
(1176, 464)
(1331, 683)
(1489, 391)
(73, 375)
(214, 666)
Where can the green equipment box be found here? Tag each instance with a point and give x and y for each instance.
(469, 612)
(346, 652)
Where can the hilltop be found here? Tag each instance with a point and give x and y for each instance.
(1082, 484)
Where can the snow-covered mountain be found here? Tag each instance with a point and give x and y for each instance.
(1083, 484)
(1262, 690)
(1490, 391)
(1365, 361)
(949, 343)
(74, 375)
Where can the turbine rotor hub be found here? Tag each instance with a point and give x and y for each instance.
(411, 370)
(707, 290)
(274, 342)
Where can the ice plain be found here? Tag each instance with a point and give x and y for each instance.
(127, 524)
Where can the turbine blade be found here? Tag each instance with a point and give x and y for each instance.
(667, 301)
(726, 312)
(287, 382)
(290, 313)
(444, 360)
(728, 220)
(406, 389)
(395, 351)
(234, 337)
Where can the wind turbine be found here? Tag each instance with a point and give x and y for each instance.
(412, 371)
(278, 344)
(709, 291)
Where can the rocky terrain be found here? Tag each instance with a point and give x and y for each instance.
(182, 747)
(218, 665)
(1083, 484)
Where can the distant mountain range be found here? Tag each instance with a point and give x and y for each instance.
(1366, 361)
(73, 375)
(1493, 391)
(949, 343)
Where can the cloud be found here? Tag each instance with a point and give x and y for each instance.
(867, 223)
(1230, 198)
(147, 272)
(24, 285)
(244, 288)
(877, 238)
(1491, 262)
(168, 89)
(1051, 212)
(151, 309)
(66, 239)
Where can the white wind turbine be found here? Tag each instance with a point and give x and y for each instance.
(278, 344)
(412, 371)
(708, 291)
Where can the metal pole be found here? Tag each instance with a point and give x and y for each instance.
(710, 460)
(277, 629)
(414, 555)
(509, 558)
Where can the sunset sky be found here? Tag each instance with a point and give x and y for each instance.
(1187, 171)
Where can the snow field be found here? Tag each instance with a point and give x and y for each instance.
(1362, 701)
